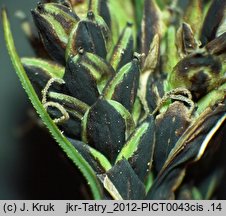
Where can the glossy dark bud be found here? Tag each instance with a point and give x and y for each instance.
(106, 126)
(154, 90)
(96, 160)
(41, 71)
(122, 182)
(189, 148)
(212, 21)
(85, 76)
(170, 125)
(54, 23)
(91, 34)
(218, 45)
(139, 148)
(198, 73)
(124, 85)
(151, 25)
(186, 43)
(123, 50)
(101, 7)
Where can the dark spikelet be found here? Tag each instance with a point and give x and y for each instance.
(124, 85)
(150, 25)
(105, 129)
(71, 127)
(197, 73)
(86, 74)
(40, 71)
(218, 45)
(212, 21)
(80, 81)
(186, 42)
(54, 39)
(146, 125)
(187, 150)
(139, 148)
(86, 152)
(154, 90)
(169, 127)
(125, 181)
(123, 51)
(90, 36)
(104, 12)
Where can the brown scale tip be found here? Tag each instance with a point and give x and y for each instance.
(80, 50)
(67, 4)
(40, 7)
(32, 12)
(137, 57)
(90, 15)
(129, 24)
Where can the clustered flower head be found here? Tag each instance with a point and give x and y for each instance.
(138, 88)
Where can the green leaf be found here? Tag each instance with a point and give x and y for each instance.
(67, 147)
(138, 7)
(120, 12)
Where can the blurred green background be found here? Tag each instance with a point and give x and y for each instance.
(31, 164)
(13, 103)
